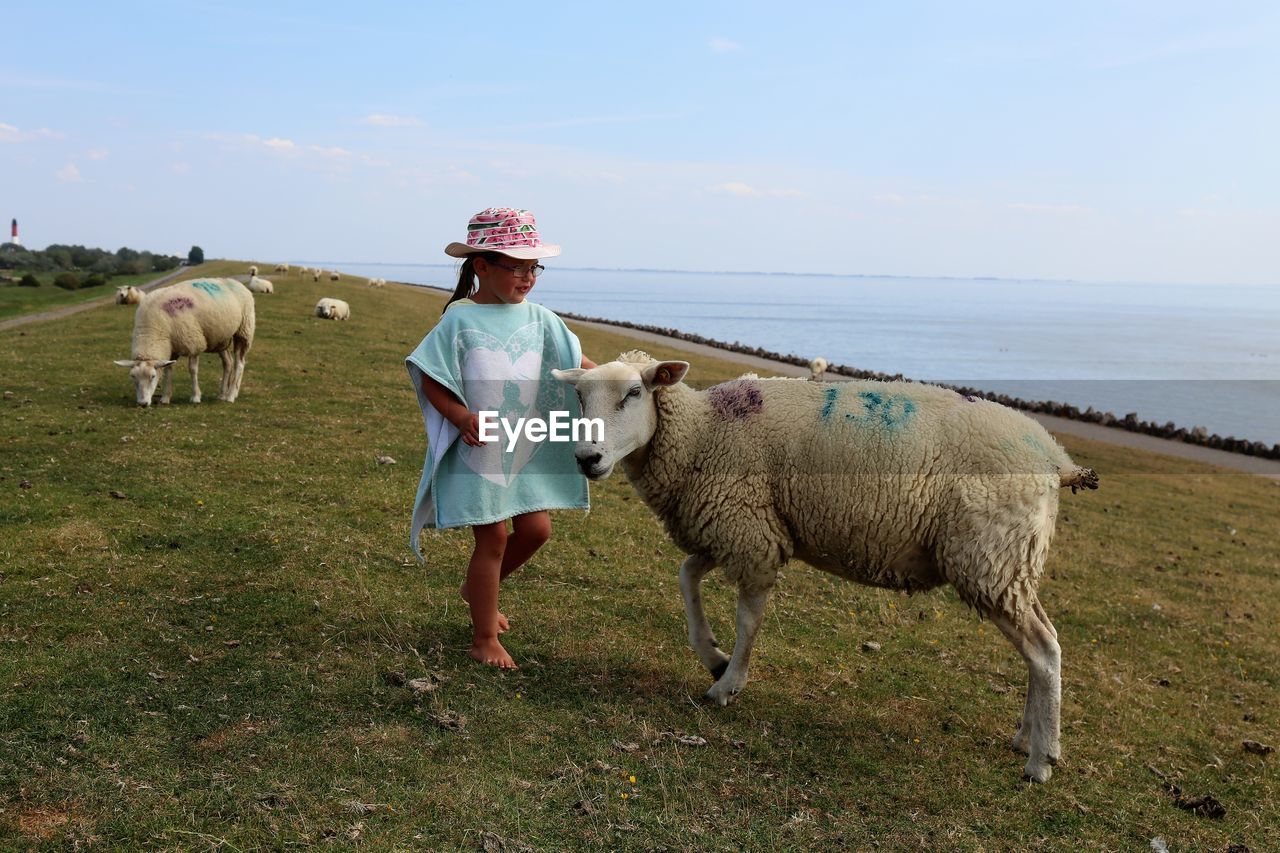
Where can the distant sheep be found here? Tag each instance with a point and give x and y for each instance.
(260, 285)
(335, 276)
(128, 295)
(377, 282)
(817, 367)
(186, 319)
(284, 268)
(333, 309)
(891, 484)
(315, 275)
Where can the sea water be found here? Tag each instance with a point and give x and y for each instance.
(1198, 355)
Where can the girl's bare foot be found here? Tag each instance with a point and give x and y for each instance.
(503, 624)
(492, 653)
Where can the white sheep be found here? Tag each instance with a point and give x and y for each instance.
(817, 367)
(284, 268)
(892, 484)
(186, 319)
(253, 270)
(260, 285)
(377, 282)
(335, 276)
(315, 275)
(333, 309)
(129, 295)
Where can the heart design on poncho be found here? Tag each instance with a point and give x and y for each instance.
(500, 376)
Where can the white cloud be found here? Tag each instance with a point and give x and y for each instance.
(180, 168)
(9, 133)
(384, 120)
(747, 191)
(68, 174)
(275, 143)
(723, 45)
(1064, 209)
(97, 154)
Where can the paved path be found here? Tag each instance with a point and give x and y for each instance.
(68, 310)
(1065, 426)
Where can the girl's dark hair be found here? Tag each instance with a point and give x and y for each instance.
(466, 279)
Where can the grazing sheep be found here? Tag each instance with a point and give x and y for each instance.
(892, 484)
(260, 285)
(333, 309)
(128, 295)
(315, 275)
(188, 318)
(284, 268)
(377, 282)
(335, 276)
(817, 367)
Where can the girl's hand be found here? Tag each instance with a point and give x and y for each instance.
(469, 427)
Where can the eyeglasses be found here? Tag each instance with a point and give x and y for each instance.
(521, 272)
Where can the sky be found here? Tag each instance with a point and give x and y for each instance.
(1099, 141)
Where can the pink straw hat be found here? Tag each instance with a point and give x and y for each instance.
(504, 230)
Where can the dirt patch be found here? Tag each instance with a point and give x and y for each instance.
(43, 822)
(218, 741)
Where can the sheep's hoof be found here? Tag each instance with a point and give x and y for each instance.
(1038, 773)
(720, 694)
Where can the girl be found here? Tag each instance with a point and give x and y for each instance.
(493, 352)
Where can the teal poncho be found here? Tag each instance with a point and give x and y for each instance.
(495, 358)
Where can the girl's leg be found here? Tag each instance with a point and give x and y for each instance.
(532, 530)
(481, 592)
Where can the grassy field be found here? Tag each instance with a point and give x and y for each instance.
(207, 614)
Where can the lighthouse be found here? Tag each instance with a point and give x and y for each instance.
(13, 230)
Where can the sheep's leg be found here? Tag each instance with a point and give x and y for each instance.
(193, 365)
(241, 353)
(704, 644)
(228, 373)
(167, 393)
(1039, 734)
(750, 615)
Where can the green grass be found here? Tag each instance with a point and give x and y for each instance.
(201, 663)
(16, 300)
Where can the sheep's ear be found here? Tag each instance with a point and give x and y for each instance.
(160, 364)
(124, 362)
(570, 376)
(664, 373)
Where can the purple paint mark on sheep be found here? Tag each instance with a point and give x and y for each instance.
(177, 304)
(969, 398)
(736, 401)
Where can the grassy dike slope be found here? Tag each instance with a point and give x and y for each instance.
(210, 659)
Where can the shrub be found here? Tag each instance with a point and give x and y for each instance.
(29, 280)
(67, 281)
(94, 280)
(195, 256)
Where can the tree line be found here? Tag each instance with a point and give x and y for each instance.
(80, 266)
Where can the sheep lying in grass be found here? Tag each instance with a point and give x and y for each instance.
(260, 285)
(817, 367)
(333, 309)
(128, 295)
(377, 282)
(891, 484)
(188, 318)
(253, 270)
(284, 268)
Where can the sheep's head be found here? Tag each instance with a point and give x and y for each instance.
(145, 373)
(620, 394)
